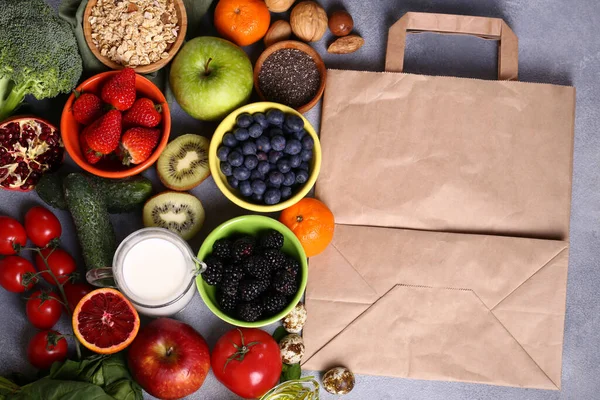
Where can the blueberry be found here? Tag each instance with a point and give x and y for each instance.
(235, 159)
(256, 174)
(293, 146)
(255, 130)
(261, 119)
(246, 188)
(223, 152)
(293, 123)
(272, 196)
(263, 167)
(289, 178)
(229, 140)
(301, 176)
(274, 156)
(275, 132)
(250, 161)
(300, 134)
(307, 142)
(241, 173)
(275, 117)
(248, 148)
(259, 186)
(295, 160)
(241, 134)
(257, 198)
(226, 169)
(273, 167)
(286, 192)
(304, 166)
(275, 177)
(233, 182)
(244, 120)
(271, 185)
(283, 165)
(262, 156)
(306, 155)
(278, 143)
(263, 143)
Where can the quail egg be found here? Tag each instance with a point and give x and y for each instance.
(295, 320)
(338, 380)
(292, 349)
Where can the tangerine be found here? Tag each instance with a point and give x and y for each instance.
(242, 21)
(312, 223)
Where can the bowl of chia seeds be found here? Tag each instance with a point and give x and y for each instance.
(290, 73)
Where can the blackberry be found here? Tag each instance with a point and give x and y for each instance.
(214, 271)
(249, 289)
(291, 266)
(274, 258)
(250, 311)
(272, 239)
(274, 303)
(233, 272)
(284, 283)
(226, 302)
(256, 266)
(264, 284)
(222, 249)
(229, 288)
(242, 248)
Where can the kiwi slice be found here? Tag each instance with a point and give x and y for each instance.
(180, 213)
(183, 164)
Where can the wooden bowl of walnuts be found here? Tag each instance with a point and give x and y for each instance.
(144, 35)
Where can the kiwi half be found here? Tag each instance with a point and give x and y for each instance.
(181, 213)
(183, 164)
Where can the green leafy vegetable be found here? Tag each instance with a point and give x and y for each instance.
(38, 53)
(279, 334)
(290, 372)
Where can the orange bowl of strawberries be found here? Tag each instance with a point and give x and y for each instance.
(116, 124)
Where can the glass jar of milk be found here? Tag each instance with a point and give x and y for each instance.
(155, 269)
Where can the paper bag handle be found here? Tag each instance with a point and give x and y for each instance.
(487, 28)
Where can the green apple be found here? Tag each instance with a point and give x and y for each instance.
(211, 77)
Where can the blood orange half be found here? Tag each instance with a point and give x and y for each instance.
(104, 321)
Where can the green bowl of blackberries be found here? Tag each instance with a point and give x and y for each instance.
(265, 157)
(256, 271)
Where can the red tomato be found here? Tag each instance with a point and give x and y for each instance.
(11, 232)
(45, 348)
(75, 292)
(257, 364)
(12, 269)
(43, 309)
(42, 226)
(61, 264)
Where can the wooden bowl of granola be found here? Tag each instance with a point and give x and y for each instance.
(144, 35)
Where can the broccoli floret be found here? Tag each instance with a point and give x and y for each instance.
(38, 53)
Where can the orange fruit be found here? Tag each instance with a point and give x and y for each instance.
(242, 21)
(104, 321)
(312, 223)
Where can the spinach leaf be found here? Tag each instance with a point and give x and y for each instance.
(50, 389)
(290, 372)
(279, 334)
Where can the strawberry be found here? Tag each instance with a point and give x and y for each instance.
(137, 145)
(103, 135)
(87, 108)
(90, 155)
(143, 113)
(119, 91)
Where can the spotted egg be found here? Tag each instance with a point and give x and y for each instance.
(338, 380)
(295, 320)
(292, 349)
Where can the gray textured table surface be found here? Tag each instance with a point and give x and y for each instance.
(559, 43)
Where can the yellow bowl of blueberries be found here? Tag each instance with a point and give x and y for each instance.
(265, 157)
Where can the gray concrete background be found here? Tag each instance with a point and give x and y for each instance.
(559, 43)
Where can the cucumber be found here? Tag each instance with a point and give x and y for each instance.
(121, 195)
(92, 222)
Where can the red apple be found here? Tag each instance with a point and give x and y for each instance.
(169, 359)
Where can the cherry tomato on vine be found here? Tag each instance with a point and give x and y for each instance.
(247, 361)
(12, 271)
(43, 309)
(76, 291)
(61, 264)
(42, 226)
(45, 348)
(11, 232)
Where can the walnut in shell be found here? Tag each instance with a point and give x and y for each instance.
(345, 45)
(309, 21)
(279, 30)
(279, 5)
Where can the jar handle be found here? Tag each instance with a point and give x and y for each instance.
(101, 277)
